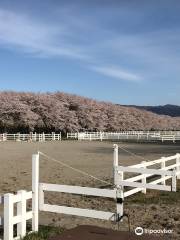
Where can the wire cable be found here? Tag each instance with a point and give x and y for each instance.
(75, 169)
(132, 153)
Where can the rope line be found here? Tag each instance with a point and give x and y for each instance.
(75, 169)
(133, 154)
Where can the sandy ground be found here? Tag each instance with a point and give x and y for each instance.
(96, 158)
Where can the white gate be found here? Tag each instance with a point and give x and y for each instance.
(138, 183)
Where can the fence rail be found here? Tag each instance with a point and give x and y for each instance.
(127, 135)
(91, 213)
(30, 137)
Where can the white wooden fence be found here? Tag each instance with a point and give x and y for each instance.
(165, 168)
(72, 135)
(91, 213)
(15, 215)
(127, 135)
(139, 182)
(30, 137)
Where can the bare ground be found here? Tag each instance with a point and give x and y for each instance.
(153, 211)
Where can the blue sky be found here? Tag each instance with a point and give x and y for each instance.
(126, 52)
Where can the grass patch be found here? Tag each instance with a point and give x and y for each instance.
(45, 232)
(155, 197)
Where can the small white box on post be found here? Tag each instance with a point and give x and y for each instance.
(35, 191)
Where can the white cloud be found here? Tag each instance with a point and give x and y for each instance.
(20, 31)
(118, 73)
(62, 39)
(155, 50)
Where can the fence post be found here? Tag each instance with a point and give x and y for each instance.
(120, 189)
(174, 181)
(53, 136)
(163, 165)
(43, 137)
(115, 164)
(178, 167)
(21, 211)
(101, 137)
(35, 191)
(118, 177)
(8, 216)
(4, 137)
(35, 137)
(144, 178)
(39, 137)
(138, 136)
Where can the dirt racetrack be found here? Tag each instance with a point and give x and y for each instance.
(96, 158)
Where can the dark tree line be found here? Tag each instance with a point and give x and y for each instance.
(46, 112)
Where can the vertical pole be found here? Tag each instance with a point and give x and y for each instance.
(101, 136)
(178, 167)
(8, 216)
(35, 191)
(144, 178)
(174, 181)
(115, 164)
(43, 136)
(54, 136)
(21, 211)
(163, 165)
(120, 189)
(118, 177)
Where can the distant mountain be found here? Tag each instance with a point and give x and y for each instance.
(168, 109)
